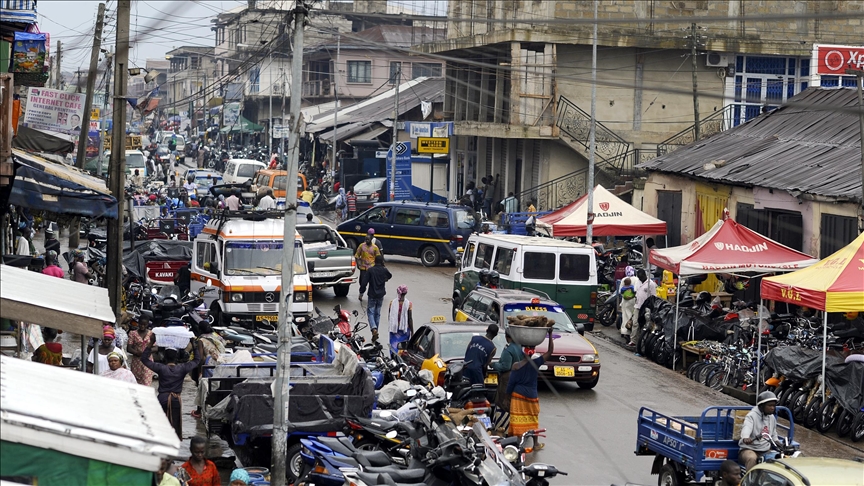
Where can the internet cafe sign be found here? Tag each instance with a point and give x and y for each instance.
(51, 109)
(835, 60)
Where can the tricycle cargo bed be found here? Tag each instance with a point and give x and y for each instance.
(698, 444)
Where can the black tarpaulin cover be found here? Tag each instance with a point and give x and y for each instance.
(319, 407)
(34, 140)
(846, 381)
(155, 251)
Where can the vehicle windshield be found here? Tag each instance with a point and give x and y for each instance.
(367, 185)
(316, 234)
(205, 182)
(260, 258)
(135, 160)
(247, 170)
(464, 219)
(454, 344)
(554, 312)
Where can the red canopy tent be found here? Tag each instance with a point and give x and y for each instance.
(612, 217)
(729, 247)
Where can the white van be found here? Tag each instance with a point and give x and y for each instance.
(238, 171)
(565, 271)
(241, 253)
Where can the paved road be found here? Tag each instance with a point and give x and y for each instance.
(592, 433)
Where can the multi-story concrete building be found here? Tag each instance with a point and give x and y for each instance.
(191, 69)
(519, 81)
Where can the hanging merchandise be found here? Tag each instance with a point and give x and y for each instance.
(28, 53)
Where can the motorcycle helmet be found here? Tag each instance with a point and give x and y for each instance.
(494, 278)
(484, 277)
(704, 298)
(766, 397)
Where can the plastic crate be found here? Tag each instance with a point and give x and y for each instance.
(195, 229)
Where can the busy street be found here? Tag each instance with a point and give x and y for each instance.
(431, 243)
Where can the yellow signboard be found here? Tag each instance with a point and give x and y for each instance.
(94, 114)
(428, 145)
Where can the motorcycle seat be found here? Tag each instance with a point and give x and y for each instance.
(378, 424)
(372, 458)
(336, 445)
(381, 479)
(399, 475)
(270, 348)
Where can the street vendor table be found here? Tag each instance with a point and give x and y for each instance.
(725, 298)
(690, 354)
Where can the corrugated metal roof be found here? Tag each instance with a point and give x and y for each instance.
(381, 107)
(54, 408)
(808, 147)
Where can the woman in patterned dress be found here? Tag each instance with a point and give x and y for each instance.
(139, 338)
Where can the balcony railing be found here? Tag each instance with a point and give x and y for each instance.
(575, 123)
(714, 123)
(316, 88)
(557, 192)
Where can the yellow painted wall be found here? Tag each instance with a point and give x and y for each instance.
(712, 200)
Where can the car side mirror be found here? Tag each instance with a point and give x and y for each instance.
(580, 328)
(310, 266)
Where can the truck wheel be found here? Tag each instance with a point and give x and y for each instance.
(669, 476)
(341, 290)
(429, 256)
(294, 463)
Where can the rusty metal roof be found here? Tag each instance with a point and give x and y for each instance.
(806, 146)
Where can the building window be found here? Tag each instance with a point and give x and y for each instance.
(784, 227)
(395, 71)
(835, 233)
(359, 71)
(763, 83)
(427, 69)
(254, 80)
(195, 62)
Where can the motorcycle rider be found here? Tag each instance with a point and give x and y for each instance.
(759, 420)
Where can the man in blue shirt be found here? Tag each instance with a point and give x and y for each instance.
(479, 355)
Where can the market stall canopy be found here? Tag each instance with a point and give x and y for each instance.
(612, 217)
(34, 140)
(243, 126)
(52, 430)
(835, 284)
(54, 302)
(729, 247)
(59, 188)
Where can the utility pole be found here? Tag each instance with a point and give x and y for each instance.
(59, 74)
(283, 358)
(270, 119)
(395, 136)
(102, 115)
(117, 167)
(336, 109)
(859, 82)
(91, 82)
(282, 120)
(694, 41)
(592, 135)
(81, 155)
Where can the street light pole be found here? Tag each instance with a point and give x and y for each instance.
(270, 119)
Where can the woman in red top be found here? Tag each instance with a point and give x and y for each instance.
(352, 203)
(198, 471)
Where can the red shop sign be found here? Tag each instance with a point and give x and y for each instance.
(837, 59)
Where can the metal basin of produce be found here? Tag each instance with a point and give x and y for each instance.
(527, 336)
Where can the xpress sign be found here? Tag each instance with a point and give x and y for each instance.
(835, 60)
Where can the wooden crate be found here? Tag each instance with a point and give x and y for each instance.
(739, 423)
(676, 426)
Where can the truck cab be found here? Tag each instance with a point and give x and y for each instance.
(241, 253)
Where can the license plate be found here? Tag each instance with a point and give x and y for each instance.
(584, 368)
(564, 371)
(485, 420)
(269, 318)
(322, 274)
(491, 380)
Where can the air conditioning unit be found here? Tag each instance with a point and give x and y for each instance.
(717, 59)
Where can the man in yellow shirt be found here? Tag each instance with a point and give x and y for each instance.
(307, 196)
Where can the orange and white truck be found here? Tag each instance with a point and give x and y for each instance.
(240, 252)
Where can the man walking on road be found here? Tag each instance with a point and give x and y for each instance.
(377, 276)
(366, 256)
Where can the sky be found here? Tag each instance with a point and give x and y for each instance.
(156, 26)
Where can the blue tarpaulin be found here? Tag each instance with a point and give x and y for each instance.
(48, 186)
